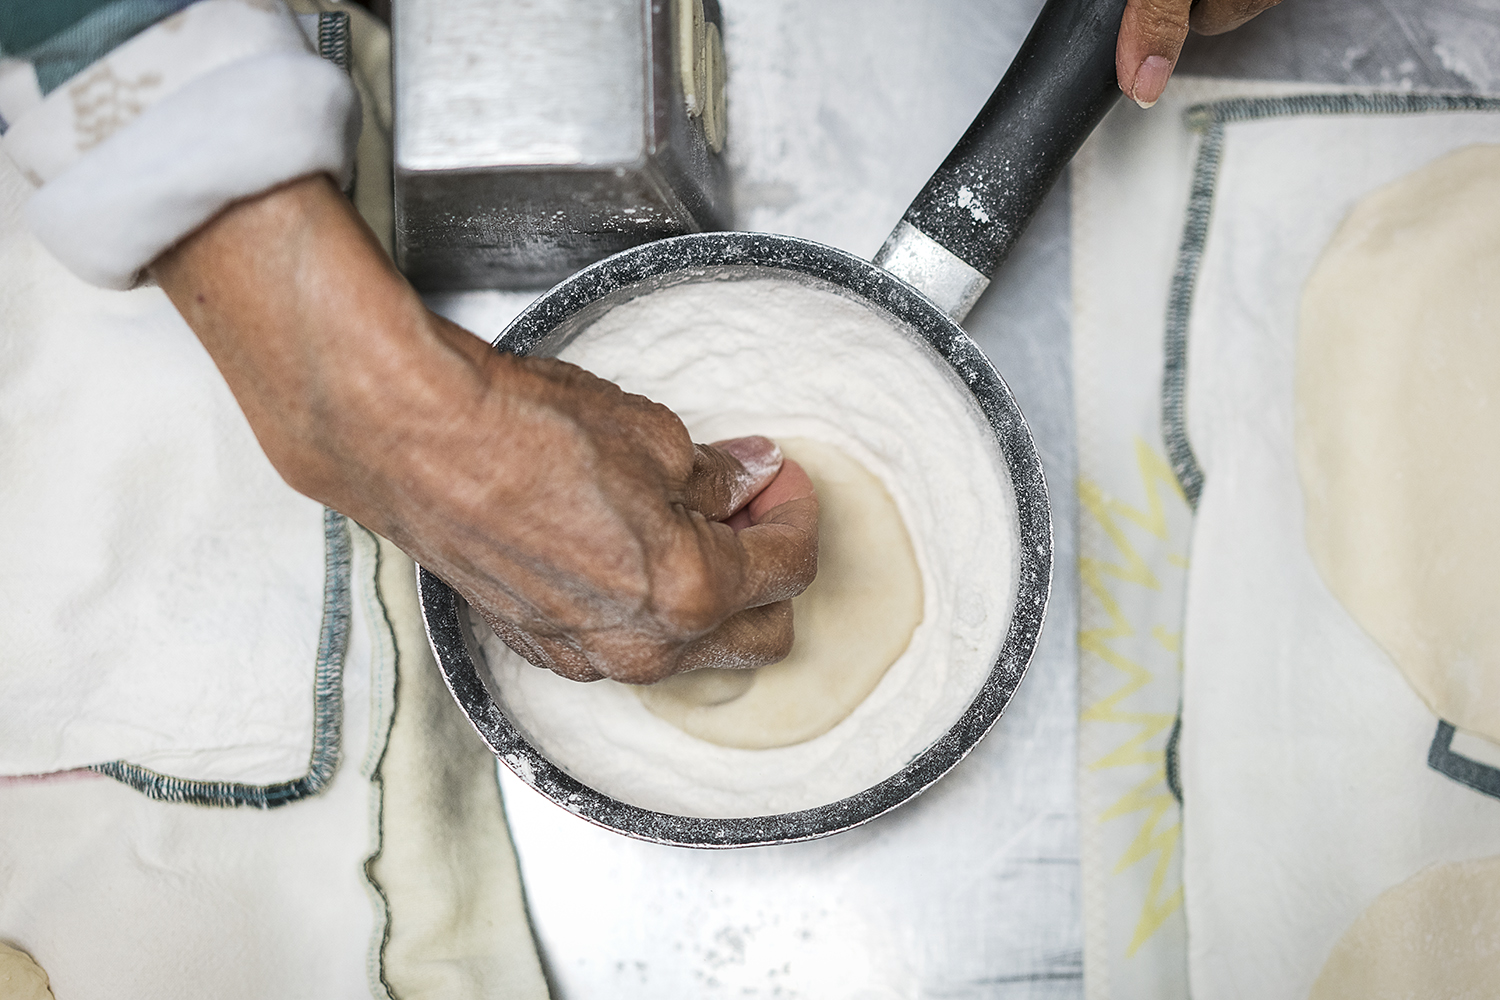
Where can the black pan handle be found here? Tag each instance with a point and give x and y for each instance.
(976, 206)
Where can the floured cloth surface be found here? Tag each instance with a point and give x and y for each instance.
(1316, 779)
(162, 591)
(172, 610)
(119, 896)
(1323, 821)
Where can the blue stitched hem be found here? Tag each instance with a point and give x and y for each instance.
(1210, 119)
(328, 705)
(333, 637)
(1443, 759)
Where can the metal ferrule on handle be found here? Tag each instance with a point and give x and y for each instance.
(969, 216)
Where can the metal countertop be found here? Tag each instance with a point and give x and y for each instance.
(839, 110)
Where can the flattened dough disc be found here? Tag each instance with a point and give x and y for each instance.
(20, 977)
(854, 621)
(1435, 935)
(1398, 427)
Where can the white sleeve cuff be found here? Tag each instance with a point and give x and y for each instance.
(231, 133)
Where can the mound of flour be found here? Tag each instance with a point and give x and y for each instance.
(781, 358)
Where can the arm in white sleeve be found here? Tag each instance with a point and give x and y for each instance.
(218, 102)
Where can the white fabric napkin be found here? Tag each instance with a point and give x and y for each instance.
(162, 591)
(172, 612)
(1305, 752)
(119, 896)
(1303, 756)
(398, 879)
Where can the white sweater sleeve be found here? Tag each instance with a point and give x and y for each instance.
(218, 102)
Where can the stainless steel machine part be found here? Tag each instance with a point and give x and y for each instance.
(535, 138)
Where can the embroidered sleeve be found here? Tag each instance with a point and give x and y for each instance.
(141, 119)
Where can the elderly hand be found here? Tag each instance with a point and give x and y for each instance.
(579, 519)
(1152, 33)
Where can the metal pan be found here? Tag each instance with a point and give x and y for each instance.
(927, 276)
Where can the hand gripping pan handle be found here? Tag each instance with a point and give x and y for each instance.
(964, 223)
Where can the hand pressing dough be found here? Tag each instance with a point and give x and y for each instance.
(851, 624)
(20, 977)
(1398, 428)
(1435, 935)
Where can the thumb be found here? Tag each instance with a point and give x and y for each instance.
(726, 474)
(1151, 37)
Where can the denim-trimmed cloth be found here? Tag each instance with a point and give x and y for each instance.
(332, 33)
(1210, 120)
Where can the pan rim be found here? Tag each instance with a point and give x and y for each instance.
(699, 255)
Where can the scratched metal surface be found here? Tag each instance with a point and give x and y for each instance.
(839, 110)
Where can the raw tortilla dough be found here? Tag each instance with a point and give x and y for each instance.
(1435, 935)
(20, 977)
(756, 353)
(1398, 427)
(851, 624)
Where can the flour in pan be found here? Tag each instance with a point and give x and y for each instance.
(782, 358)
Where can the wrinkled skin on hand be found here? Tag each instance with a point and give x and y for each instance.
(580, 520)
(605, 552)
(1152, 33)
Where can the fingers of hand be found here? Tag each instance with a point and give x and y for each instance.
(1214, 17)
(752, 638)
(779, 534)
(557, 655)
(727, 474)
(1151, 36)
(782, 544)
(707, 573)
(776, 559)
(791, 483)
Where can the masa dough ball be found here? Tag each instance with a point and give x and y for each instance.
(1436, 935)
(1398, 427)
(20, 977)
(851, 624)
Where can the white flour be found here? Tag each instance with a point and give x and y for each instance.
(779, 358)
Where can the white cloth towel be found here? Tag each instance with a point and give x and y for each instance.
(398, 878)
(1129, 186)
(120, 897)
(161, 589)
(167, 601)
(1303, 752)
(1304, 749)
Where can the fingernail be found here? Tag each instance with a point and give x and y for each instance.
(759, 455)
(1150, 80)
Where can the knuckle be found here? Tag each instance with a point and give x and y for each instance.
(691, 597)
(1166, 19)
(781, 632)
(635, 660)
(763, 636)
